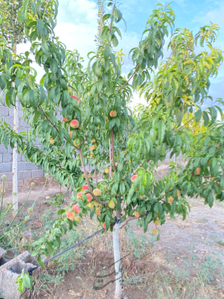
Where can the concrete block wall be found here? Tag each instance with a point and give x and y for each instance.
(26, 170)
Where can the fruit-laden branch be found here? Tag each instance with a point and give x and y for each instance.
(48, 118)
(131, 218)
(87, 179)
(119, 89)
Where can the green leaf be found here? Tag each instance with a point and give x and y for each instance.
(161, 132)
(26, 282)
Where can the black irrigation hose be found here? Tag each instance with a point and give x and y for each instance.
(30, 270)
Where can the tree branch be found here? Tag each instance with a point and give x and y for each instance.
(87, 179)
(113, 161)
(119, 89)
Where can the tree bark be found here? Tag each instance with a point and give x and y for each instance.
(14, 161)
(117, 261)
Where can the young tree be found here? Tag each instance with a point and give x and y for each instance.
(98, 128)
(13, 32)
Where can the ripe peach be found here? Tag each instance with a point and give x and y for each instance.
(85, 187)
(74, 123)
(97, 192)
(104, 225)
(97, 211)
(77, 219)
(198, 170)
(79, 195)
(113, 113)
(76, 142)
(91, 154)
(76, 209)
(136, 214)
(89, 175)
(89, 197)
(178, 192)
(92, 147)
(90, 205)
(106, 170)
(156, 222)
(70, 133)
(111, 204)
(52, 140)
(93, 140)
(70, 215)
(116, 164)
(154, 231)
(170, 199)
(65, 119)
(134, 177)
(75, 98)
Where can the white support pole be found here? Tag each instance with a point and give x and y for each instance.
(117, 261)
(14, 160)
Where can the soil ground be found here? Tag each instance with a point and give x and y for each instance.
(187, 261)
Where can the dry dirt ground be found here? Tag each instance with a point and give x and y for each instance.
(187, 261)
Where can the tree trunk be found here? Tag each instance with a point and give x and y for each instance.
(117, 261)
(14, 160)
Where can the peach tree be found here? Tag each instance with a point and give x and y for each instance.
(81, 118)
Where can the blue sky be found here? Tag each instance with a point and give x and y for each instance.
(77, 26)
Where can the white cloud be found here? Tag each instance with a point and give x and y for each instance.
(215, 16)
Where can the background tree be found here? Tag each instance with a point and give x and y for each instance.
(98, 127)
(13, 32)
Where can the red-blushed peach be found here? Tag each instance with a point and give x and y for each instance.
(154, 231)
(178, 193)
(76, 142)
(170, 199)
(85, 187)
(74, 123)
(70, 133)
(75, 98)
(65, 119)
(113, 113)
(79, 195)
(134, 177)
(136, 214)
(91, 154)
(198, 170)
(89, 197)
(156, 222)
(93, 140)
(52, 140)
(70, 215)
(92, 147)
(76, 209)
(104, 225)
(97, 192)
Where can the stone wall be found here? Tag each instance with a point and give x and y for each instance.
(26, 170)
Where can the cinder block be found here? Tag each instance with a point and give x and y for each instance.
(3, 149)
(7, 158)
(9, 120)
(0, 158)
(4, 111)
(8, 175)
(10, 270)
(27, 166)
(37, 173)
(23, 123)
(22, 175)
(5, 167)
